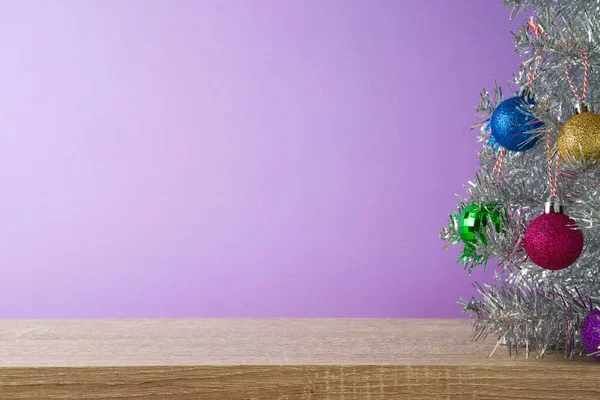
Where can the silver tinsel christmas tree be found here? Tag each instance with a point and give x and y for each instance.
(544, 162)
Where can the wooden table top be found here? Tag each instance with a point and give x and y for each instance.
(275, 359)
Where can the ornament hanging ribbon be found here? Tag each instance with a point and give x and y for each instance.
(534, 66)
(553, 167)
(586, 69)
(535, 28)
(497, 170)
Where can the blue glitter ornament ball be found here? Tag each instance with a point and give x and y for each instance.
(511, 122)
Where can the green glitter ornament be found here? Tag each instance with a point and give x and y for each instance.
(474, 219)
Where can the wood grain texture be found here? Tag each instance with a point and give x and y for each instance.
(351, 359)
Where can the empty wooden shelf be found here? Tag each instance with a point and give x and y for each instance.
(351, 359)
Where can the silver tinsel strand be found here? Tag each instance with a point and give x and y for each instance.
(527, 307)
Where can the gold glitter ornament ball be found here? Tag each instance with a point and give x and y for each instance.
(579, 137)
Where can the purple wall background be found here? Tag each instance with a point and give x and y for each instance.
(238, 158)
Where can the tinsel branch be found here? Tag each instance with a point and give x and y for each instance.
(527, 306)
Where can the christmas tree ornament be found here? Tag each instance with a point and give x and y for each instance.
(553, 240)
(474, 220)
(590, 333)
(579, 137)
(512, 122)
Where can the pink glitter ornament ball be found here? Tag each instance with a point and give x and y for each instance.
(553, 241)
(590, 333)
